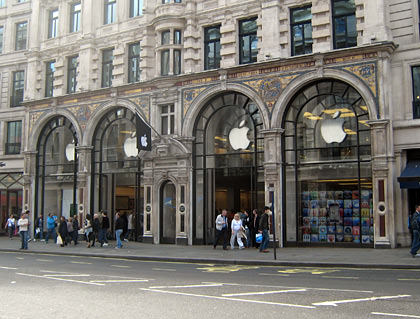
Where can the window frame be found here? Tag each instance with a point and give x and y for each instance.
(163, 37)
(242, 36)
(53, 23)
(133, 76)
(72, 73)
(17, 86)
(49, 78)
(337, 16)
(163, 54)
(2, 3)
(107, 67)
(21, 35)
(17, 140)
(177, 64)
(1, 38)
(177, 36)
(415, 95)
(136, 4)
(304, 25)
(213, 43)
(110, 11)
(75, 15)
(168, 117)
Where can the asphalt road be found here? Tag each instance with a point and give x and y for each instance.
(49, 286)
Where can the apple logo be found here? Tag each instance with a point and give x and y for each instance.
(332, 129)
(143, 140)
(130, 146)
(238, 138)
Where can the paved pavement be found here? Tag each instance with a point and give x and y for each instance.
(311, 257)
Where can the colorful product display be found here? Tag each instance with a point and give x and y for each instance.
(337, 216)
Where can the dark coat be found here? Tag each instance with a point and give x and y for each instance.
(263, 225)
(119, 223)
(62, 229)
(105, 222)
(75, 224)
(96, 224)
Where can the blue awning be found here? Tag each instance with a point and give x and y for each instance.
(410, 176)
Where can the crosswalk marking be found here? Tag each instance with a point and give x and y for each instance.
(394, 315)
(263, 292)
(336, 302)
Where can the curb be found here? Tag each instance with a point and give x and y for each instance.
(220, 261)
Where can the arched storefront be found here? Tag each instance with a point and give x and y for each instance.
(327, 171)
(56, 169)
(228, 155)
(115, 182)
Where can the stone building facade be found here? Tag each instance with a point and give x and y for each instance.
(303, 105)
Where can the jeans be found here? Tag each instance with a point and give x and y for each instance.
(102, 236)
(221, 233)
(24, 239)
(118, 233)
(11, 230)
(265, 239)
(74, 235)
(51, 231)
(239, 239)
(416, 242)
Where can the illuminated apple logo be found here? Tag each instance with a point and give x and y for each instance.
(143, 140)
(238, 137)
(130, 146)
(332, 129)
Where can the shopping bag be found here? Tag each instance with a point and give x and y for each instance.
(258, 238)
(59, 240)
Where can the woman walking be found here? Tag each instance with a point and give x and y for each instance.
(62, 231)
(119, 227)
(88, 229)
(236, 226)
(11, 226)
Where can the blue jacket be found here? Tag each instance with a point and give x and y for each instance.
(51, 222)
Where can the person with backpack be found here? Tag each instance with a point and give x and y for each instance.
(415, 226)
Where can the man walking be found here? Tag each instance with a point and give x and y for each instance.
(221, 229)
(23, 224)
(51, 224)
(104, 229)
(39, 228)
(263, 229)
(415, 226)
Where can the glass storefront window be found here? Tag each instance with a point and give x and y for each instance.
(327, 176)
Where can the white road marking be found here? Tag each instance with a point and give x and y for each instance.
(120, 280)
(263, 292)
(45, 260)
(408, 279)
(164, 269)
(20, 258)
(67, 275)
(228, 299)
(394, 315)
(188, 286)
(61, 279)
(336, 302)
(340, 277)
(280, 275)
(10, 268)
(120, 266)
(53, 271)
(80, 262)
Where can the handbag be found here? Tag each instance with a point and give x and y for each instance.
(258, 238)
(59, 240)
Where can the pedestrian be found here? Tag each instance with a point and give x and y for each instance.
(253, 225)
(104, 229)
(39, 228)
(62, 231)
(51, 225)
(119, 228)
(221, 229)
(23, 224)
(415, 226)
(96, 225)
(125, 230)
(69, 230)
(27, 216)
(11, 226)
(246, 221)
(263, 229)
(130, 223)
(236, 227)
(75, 233)
(88, 229)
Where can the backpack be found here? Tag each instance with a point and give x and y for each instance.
(415, 221)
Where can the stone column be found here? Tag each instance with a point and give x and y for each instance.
(29, 184)
(83, 179)
(269, 35)
(272, 177)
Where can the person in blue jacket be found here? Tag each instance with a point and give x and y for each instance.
(51, 225)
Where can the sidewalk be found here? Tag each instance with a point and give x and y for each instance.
(311, 257)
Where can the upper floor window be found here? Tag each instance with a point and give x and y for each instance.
(167, 115)
(177, 1)
(72, 74)
(134, 62)
(14, 137)
(344, 24)
(110, 11)
(136, 8)
(164, 62)
(21, 1)
(301, 27)
(415, 73)
(212, 48)
(17, 88)
(75, 15)
(166, 1)
(248, 41)
(21, 35)
(2, 3)
(177, 37)
(166, 37)
(49, 78)
(53, 24)
(177, 61)
(107, 66)
(1, 38)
